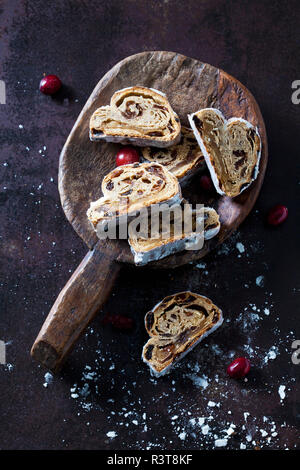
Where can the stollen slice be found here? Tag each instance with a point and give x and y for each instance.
(231, 148)
(188, 229)
(138, 115)
(175, 326)
(129, 188)
(183, 159)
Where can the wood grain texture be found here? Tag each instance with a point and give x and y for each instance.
(189, 85)
(75, 307)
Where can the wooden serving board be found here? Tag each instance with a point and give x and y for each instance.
(189, 85)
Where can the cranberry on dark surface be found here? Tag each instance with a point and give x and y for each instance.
(206, 183)
(50, 84)
(127, 155)
(277, 215)
(118, 321)
(238, 368)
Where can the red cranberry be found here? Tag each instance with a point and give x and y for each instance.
(206, 183)
(127, 155)
(50, 84)
(239, 368)
(277, 215)
(118, 321)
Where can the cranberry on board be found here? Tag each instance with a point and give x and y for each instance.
(50, 84)
(238, 368)
(277, 215)
(127, 155)
(206, 183)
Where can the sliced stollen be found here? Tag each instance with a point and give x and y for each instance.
(201, 224)
(129, 188)
(231, 148)
(138, 115)
(175, 326)
(183, 159)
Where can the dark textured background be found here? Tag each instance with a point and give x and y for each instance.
(258, 42)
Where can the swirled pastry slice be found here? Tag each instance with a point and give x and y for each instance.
(201, 225)
(183, 159)
(231, 149)
(129, 188)
(175, 326)
(138, 115)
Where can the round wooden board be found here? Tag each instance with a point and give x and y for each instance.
(190, 85)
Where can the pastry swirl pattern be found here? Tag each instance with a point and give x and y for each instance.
(231, 148)
(138, 115)
(175, 326)
(182, 159)
(129, 188)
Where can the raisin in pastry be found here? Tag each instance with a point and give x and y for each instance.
(231, 149)
(175, 325)
(129, 188)
(138, 115)
(166, 239)
(183, 159)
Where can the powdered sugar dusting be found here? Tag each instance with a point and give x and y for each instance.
(220, 412)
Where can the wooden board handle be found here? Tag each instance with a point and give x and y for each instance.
(76, 305)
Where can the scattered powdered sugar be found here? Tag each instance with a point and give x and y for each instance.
(206, 421)
(240, 247)
(260, 280)
(231, 429)
(205, 429)
(201, 265)
(221, 442)
(48, 379)
(200, 382)
(212, 404)
(271, 354)
(210, 430)
(281, 392)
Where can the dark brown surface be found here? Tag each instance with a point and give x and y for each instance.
(77, 303)
(191, 85)
(258, 44)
